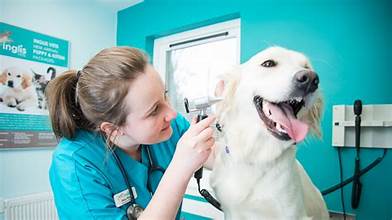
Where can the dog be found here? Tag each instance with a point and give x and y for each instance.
(5, 37)
(19, 91)
(269, 104)
(40, 82)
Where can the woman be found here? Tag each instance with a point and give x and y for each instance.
(118, 132)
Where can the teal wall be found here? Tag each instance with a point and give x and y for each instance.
(349, 43)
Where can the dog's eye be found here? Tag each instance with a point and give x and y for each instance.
(18, 76)
(269, 63)
(9, 74)
(306, 66)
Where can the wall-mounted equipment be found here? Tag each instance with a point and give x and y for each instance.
(376, 126)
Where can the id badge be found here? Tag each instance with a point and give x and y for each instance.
(123, 197)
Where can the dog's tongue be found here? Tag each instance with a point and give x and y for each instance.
(283, 114)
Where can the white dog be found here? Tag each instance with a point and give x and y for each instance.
(270, 103)
(19, 91)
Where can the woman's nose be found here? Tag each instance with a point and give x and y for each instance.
(170, 114)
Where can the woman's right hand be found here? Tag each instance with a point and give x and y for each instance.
(194, 146)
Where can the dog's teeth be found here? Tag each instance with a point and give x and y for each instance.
(294, 100)
(298, 99)
(281, 129)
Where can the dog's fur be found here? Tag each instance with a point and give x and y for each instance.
(255, 174)
(19, 91)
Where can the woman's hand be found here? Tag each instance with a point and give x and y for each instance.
(194, 147)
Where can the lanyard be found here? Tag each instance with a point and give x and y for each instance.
(151, 169)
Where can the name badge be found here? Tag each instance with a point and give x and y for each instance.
(123, 197)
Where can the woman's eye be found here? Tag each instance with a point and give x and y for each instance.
(155, 111)
(269, 63)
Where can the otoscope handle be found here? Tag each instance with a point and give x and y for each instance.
(357, 113)
(199, 173)
(201, 117)
(357, 131)
(357, 185)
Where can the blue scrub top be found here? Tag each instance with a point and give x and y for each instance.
(84, 175)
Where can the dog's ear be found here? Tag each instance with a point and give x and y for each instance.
(314, 115)
(220, 86)
(26, 81)
(3, 77)
(226, 89)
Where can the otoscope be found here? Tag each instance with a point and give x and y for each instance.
(357, 185)
(201, 105)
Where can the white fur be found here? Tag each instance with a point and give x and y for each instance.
(260, 177)
(22, 95)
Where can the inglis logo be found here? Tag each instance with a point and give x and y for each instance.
(6, 40)
(20, 50)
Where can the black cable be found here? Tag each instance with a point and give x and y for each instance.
(207, 196)
(341, 180)
(349, 180)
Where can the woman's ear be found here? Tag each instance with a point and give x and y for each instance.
(110, 129)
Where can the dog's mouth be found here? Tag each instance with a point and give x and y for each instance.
(281, 118)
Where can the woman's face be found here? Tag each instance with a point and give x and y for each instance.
(148, 121)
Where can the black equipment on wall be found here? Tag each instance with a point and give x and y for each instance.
(357, 185)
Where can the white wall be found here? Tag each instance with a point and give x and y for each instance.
(89, 26)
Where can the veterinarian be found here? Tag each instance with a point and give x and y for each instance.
(122, 148)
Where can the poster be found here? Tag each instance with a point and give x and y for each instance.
(28, 61)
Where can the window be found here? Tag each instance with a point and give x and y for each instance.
(191, 62)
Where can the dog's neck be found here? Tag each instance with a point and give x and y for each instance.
(259, 150)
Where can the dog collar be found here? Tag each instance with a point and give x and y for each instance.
(227, 150)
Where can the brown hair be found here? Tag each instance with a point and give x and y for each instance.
(96, 94)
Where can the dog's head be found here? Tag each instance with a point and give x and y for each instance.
(274, 94)
(13, 77)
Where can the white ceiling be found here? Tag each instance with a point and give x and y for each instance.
(118, 5)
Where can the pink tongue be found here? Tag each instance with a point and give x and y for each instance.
(283, 115)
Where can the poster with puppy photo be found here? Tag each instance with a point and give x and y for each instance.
(28, 61)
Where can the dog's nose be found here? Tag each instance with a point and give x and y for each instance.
(10, 84)
(306, 81)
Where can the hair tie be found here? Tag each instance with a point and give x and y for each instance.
(78, 74)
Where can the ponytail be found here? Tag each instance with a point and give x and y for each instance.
(65, 114)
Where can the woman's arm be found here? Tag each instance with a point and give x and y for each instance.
(192, 151)
(169, 194)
